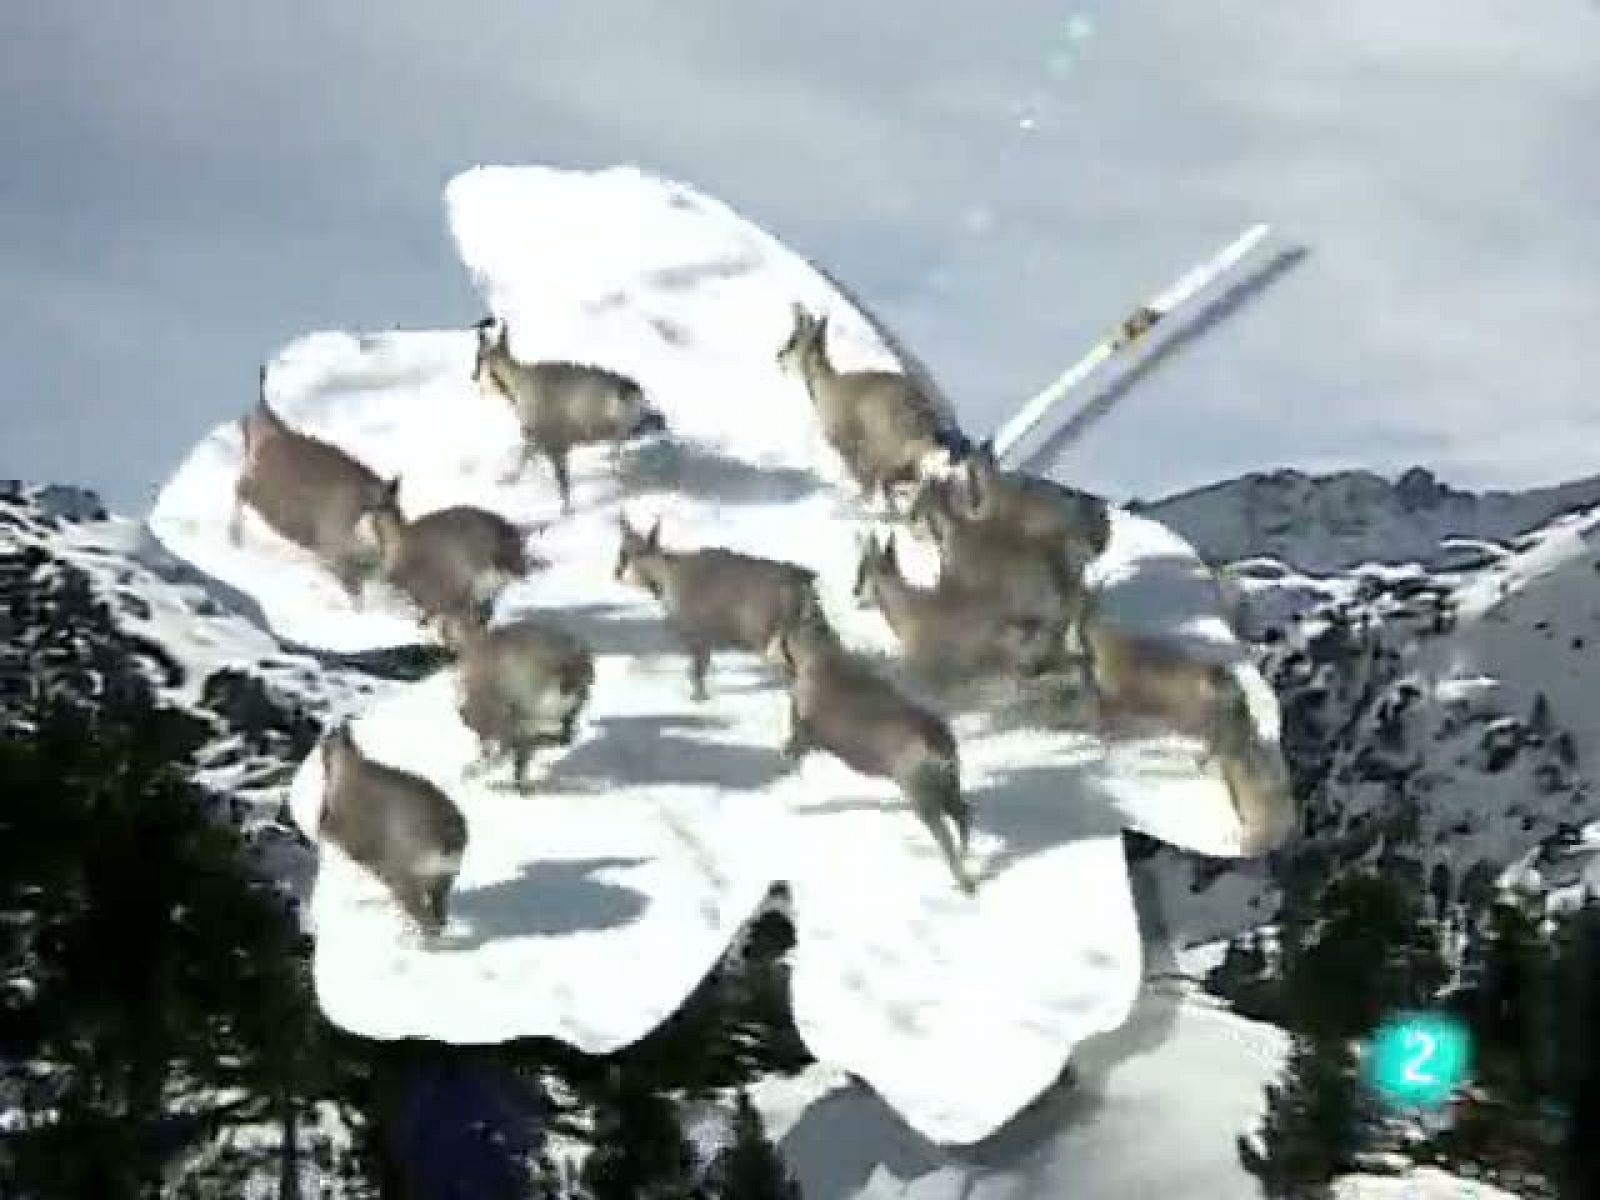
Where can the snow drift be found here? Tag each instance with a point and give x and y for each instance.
(588, 909)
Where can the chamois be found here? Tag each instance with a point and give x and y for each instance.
(949, 633)
(400, 827)
(308, 491)
(520, 685)
(881, 425)
(1052, 515)
(561, 405)
(1134, 676)
(838, 703)
(451, 562)
(714, 598)
(1019, 577)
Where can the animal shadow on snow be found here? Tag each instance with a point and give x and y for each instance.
(848, 1136)
(661, 749)
(1029, 810)
(548, 898)
(704, 473)
(622, 630)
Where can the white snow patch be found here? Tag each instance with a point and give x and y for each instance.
(1424, 1183)
(1190, 1071)
(587, 911)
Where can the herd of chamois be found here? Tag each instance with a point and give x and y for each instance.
(1009, 602)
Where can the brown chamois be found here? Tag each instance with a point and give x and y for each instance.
(1019, 577)
(520, 685)
(714, 598)
(879, 423)
(950, 634)
(562, 405)
(398, 826)
(453, 561)
(1065, 520)
(840, 704)
(308, 491)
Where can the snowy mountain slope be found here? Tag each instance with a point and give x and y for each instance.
(1414, 726)
(74, 588)
(655, 280)
(1444, 676)
(1323, 523)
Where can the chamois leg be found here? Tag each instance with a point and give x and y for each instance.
(891, 507)
(931, 810)
(798, 740)
(412, 894)
(699, 664)
(959, 810)
(521, 756)
(438, 893)
(351, 575)
(236, 521)
(557, 457)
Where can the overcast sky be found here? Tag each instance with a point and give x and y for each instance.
(190, 185)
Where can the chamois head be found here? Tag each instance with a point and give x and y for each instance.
(383, 516)
(493, 334)
(262, 421)
(634, 550)
(808, 333)
(795, 640)
(338, 750)
(877, 559)
(931, 509)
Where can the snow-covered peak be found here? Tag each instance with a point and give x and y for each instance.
(1444, 718)
(1330, 522)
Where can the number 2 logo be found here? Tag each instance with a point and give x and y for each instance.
(1412, 1072)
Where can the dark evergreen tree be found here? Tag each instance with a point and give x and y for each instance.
(1315, 1121)
(1439, 882)
(1371, 951)
(157, 995)
(1577, 1030)
(1509, 1007)
(751, 1168)
(461, 1125)
(639, 1149)
(1478, 885)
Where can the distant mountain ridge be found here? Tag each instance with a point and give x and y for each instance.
(1323, 523)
